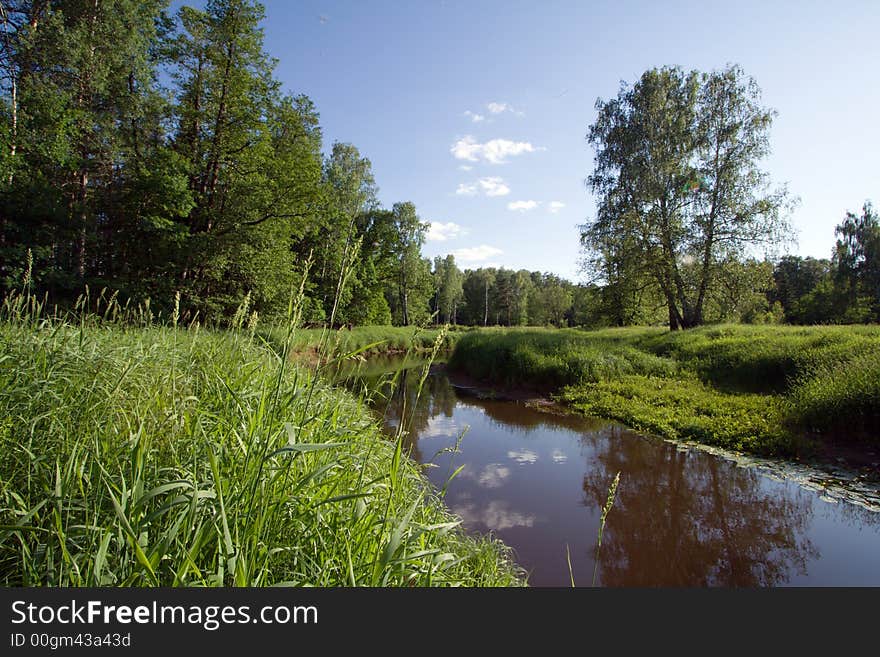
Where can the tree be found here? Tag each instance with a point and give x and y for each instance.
(678, 181)
(550, 300)
(740, 293)
(857, 260)
(253, 157)
(153, 155)
(352, 191)
(557, 299)
(794, 277)
(448, 289)
(378, 267)
(797, 282)
(80, 118)
(585, 306)
(478, 289)
(412, 286)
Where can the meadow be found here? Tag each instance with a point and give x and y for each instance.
(769, 390)
(137, 454)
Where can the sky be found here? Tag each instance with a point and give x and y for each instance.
(477, 110)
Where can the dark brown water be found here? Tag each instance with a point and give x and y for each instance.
(680, 517)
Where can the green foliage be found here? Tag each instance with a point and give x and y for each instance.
(79, 105)
(184, 457)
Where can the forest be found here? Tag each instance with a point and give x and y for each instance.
(148, 154)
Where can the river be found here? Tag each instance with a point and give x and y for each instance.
(681, 517)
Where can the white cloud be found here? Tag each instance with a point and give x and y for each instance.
(555, 206)
(495, 151)
(473, 116)
(490, 186)
(465, 167)
(476, 253)
(440, 232)
(466, 148)
(498, 108)
(522, 206)
(494, 186)
(523, 456)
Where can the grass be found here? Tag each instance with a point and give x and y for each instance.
(176, 456)
(768, 390)
(310, 343)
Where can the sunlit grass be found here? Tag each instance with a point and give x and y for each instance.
(762, 389)
(175, 456)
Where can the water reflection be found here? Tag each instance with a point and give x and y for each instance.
(688, 518)
(681, 518)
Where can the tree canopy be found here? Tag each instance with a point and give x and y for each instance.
(678, 184)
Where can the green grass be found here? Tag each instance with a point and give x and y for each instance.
(171, 456)
(768, 390)
(307, 344)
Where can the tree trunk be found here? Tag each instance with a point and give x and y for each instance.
(83, 225)
(218, 125)
(404, 300)
(673, 319)
(486, 313)
(14, 137)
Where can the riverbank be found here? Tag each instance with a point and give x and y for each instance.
(165, 456)
(793, 392)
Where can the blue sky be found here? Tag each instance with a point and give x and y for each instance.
(477, 111)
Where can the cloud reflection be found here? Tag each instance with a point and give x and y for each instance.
(493, 475)
(497, 515)
(440, 426)
(522, 456)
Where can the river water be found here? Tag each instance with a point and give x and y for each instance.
(680, 518)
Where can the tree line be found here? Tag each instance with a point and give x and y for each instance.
(491, 296)
(155, 154)
(841, 289)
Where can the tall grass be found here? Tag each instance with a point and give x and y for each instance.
(764, 389)
(309, 343)
(603, 517)
(140, 455)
